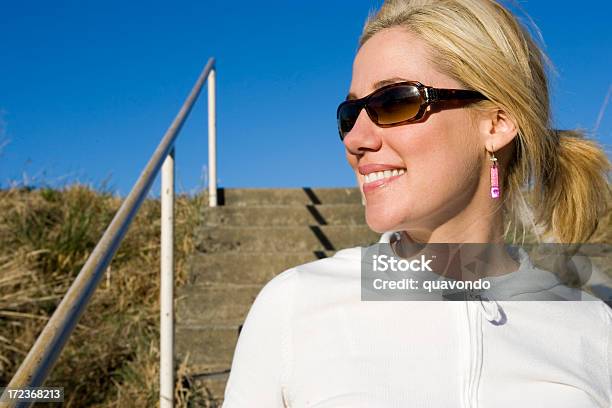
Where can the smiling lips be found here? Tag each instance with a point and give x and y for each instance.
(377, 175)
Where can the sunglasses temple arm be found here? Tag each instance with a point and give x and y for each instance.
(435, 94)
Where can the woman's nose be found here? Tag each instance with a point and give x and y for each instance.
(364, 136)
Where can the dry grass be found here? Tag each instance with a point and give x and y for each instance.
(111, 359)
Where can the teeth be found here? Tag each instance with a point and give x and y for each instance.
(379, 175)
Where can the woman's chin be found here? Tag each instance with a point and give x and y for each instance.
(382, 221)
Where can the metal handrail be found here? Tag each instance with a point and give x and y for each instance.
(42, 356)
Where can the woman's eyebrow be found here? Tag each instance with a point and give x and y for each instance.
(378, 85)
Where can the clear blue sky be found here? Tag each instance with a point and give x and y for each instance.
(87, 89)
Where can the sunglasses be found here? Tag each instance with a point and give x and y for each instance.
(397, 104)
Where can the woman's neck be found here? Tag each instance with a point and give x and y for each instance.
(479, 244)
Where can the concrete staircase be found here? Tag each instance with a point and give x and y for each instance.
(253, 236)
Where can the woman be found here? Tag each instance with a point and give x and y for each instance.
(446, 120)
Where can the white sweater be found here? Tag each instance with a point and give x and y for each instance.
(309, 341)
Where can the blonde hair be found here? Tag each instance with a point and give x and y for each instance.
(483, 46)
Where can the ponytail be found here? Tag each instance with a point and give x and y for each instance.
(570, 200)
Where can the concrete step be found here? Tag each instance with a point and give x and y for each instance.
(245, 267)
(225, 305)
(286, 196)
(208, 348)
(283, 239)
(212, 387)
(240, 246)
(285, 215)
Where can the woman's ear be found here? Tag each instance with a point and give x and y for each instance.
(497, 129)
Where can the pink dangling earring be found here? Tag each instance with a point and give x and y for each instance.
(495, 191)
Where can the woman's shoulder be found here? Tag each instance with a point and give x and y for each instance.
(342, 266)
(321, 276)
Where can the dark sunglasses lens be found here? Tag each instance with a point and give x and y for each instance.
(394, 105)
(348, 112)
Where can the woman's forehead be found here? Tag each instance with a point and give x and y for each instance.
(391, 54)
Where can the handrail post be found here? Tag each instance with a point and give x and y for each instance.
(166, 329)
(212, 139)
